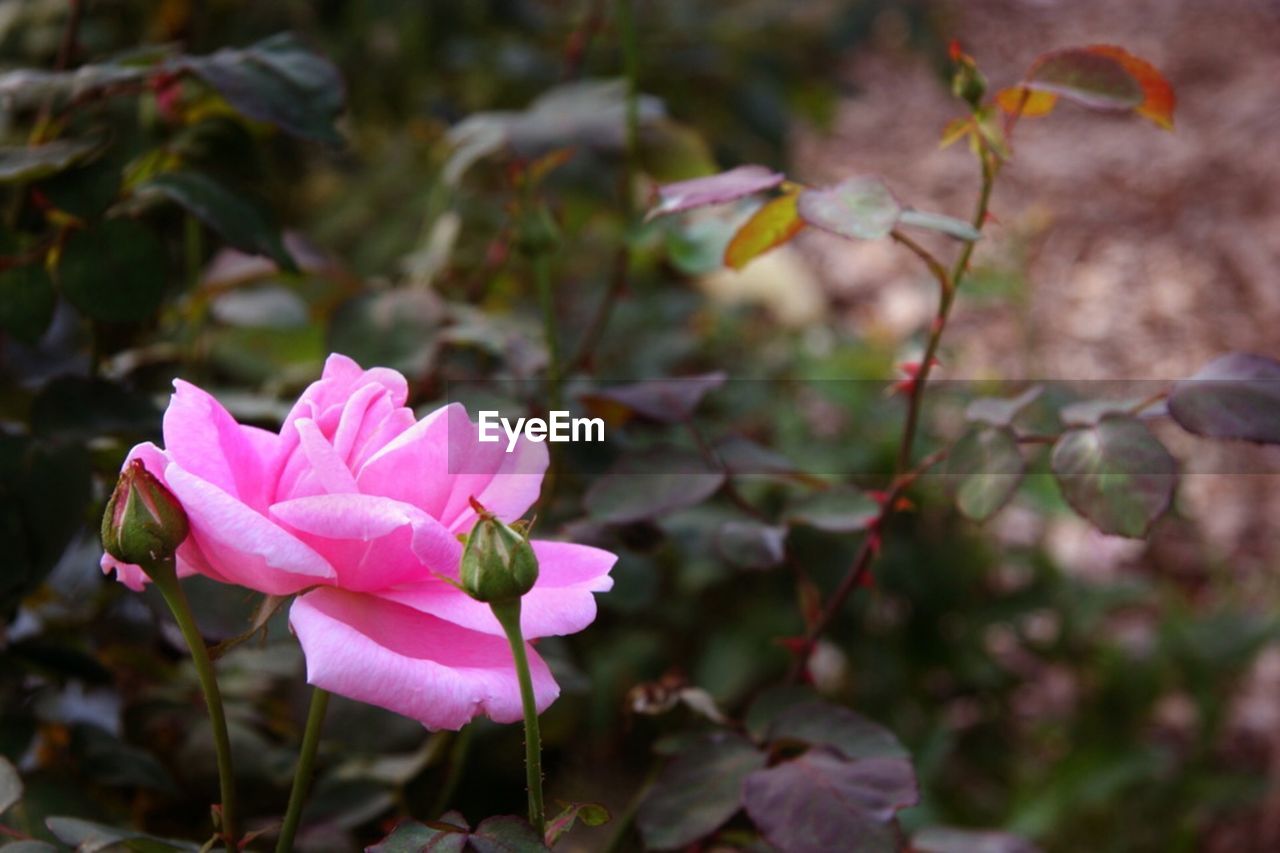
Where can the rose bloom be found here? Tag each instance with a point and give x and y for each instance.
(358, 506)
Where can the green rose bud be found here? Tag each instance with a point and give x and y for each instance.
(498, 563)
(144, 524)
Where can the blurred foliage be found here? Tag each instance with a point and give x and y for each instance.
(1078, 712)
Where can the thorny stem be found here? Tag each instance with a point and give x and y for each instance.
(508, 615)
(306, 768)
(166, 580)
(622, 263)
(945, 300)
(904, 475)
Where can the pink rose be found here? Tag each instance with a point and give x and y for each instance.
(361, 506)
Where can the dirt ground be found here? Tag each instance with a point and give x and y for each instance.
(1136, 253)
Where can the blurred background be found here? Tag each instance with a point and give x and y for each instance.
(1077, 689)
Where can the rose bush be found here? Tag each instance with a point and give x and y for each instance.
(358, 507)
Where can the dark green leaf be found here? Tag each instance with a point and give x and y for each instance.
(240, 222)
(1116, 474)
(40, 161)
(860, 207)
(697, 792)
(1089, 412)
(279, 82)
(838, 510)
(27, 301)
(114, 272)
(83, 409)
(983, 471)
(110, 762)
(751, 544)
(1236, 396)
(824, 724)
(29, 847)
(649, 484)
(821, 802)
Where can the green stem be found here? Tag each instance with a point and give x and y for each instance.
(166, 580)
(508, 615)
(306, 766)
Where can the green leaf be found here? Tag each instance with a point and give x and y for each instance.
(715, 189)
(698, 791)
(838, 510)
(1235, 396)
(114, 272)
(10, 785)
(948, 225)
(821, 801)
(821, 723)
(1116, 474)
(279, 82)
(1088, 412)
(27, 301)
(24, 164)
(590, 814)
(983, 471)
(1000, 411)
(649, 484)
(751, 544)
(240, 222)
(860, 207)
(84, 409)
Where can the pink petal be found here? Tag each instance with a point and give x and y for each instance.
(341, 379)
(562, 602)
(202, 437)
(373, 542)
(440, 464)
(326, 466)
(392, 656)
(241, 545)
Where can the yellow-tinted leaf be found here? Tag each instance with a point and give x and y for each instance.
(1020, 101)
(956, 129)
(772, 225)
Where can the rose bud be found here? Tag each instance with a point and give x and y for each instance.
(498, 563)
(144, 524)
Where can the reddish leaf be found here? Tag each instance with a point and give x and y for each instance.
(1099, 76)
(772, 225)
(1086, 77)
(715, 189)
(1158, 99)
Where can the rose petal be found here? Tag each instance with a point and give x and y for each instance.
(342, 377)
(373, 542)
(392, 656)
(561, 602)
(202, 437)
(243, 546)
(325, 465)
